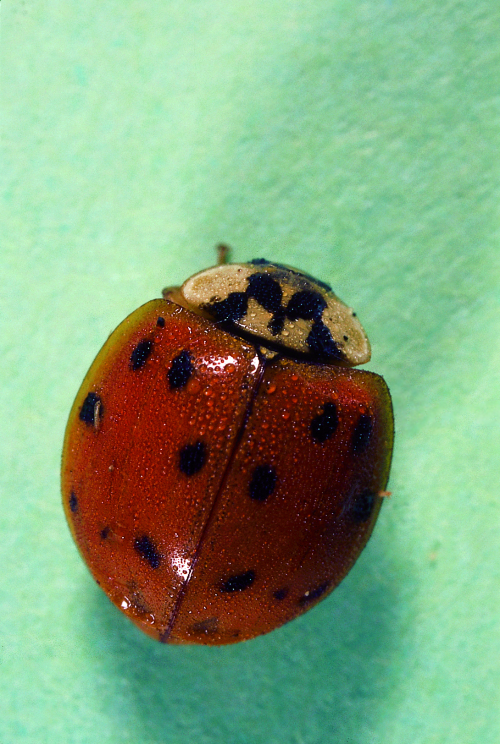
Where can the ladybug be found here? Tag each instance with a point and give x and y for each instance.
(223, 463)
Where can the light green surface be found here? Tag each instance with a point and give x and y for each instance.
(360, 142)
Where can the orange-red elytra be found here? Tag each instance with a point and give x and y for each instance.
(224, 464)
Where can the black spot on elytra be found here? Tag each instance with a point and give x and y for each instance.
(321, 343)
(147, 550)
(141, 353)
(362, 434)
(262, 483)
(105, 532)
(362, 506)
(239, 582)
(306, 305)
(192, 458)
(266, 291)
(323, 426)
(137, 601)
(160, 322)
(92, 409)
(281, 594)
(259, 262)
(313, 594)
(180, 371)
(231, 309)
(73, 502)
(206, 627)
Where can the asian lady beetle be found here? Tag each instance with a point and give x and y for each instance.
(223, 464)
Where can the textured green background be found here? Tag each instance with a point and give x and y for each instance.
(358, 141)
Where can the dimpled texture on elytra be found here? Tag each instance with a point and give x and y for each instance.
(215, 494)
